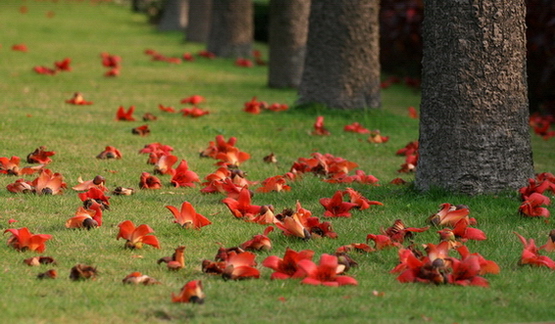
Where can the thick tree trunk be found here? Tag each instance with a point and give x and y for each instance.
(474, 135)
(232, 28)
(174, 15)
(287, 42)
(198, 27)
(342, 67)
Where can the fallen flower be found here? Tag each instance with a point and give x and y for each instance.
(287, 267)
(356, 128)
(241, 207)
(137, 236)
(336, 207)
(149, 181)
(183, 177)
(260, 242)
(78, 99)
(193, 100)
(187, 217)
(50, 274)
(136, 278)
(123, 115)
(190, 293)
(83, 272)
(141, 130)
(530, 254)
(319, 128)
(194, 112)
(176, 261)
(241, 266)
(109, 152)
(38, 260)
(22, 240)
(326, 272)
(532, 206)
(40, 155)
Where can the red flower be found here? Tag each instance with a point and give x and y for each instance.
(449, 215)
(123, 115)
(532, 206)
(94, 195)
(165, 163)
(188, 57)
(193, 100)
(376, 137)
(109, 152)
(187, 217)
(218, 146)
(240, 266)
(113, 72)
(138, 236)
(243, 62)
(44, 70)
(49, 183)
(398, 232)
(326, 273)
(190, 293)
(20, 47)
(40, 155)
(288, 266)
(20, 186)
(356, 128)
(22, 240)
(141, 130)
(206, 54)
(336, 207)
(63, 65)
(275, 183)
(78, 100)
(109, 60)
(149, 181)
(361, 202)
(260, 242)
(412, 112)
(166, 108)
(241, 207)
(176, 261)
(233, 157)
(277, 107)
(549, 246)
(382, 241)
(11, 166)
(194, 112)
(464, 232)
(96, 182)
(183, 177)
(86, 218)
(530, 254)
(319, 128)
(254, 106)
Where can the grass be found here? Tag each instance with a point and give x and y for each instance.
(34, 114)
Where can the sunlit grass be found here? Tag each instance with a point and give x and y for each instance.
(34, 113)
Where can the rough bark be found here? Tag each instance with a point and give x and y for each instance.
(342, 68)
(287, 42)
(474, 136)
(232, 28)
(198, 27)
(174, 15)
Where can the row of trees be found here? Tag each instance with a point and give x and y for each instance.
(474, 135)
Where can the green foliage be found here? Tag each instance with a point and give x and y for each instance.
(34, 114)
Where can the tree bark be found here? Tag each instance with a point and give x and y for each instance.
(474, 135)
(198, 27)
(174, 15)
(287, 42)
(342, 67)
(232, 28)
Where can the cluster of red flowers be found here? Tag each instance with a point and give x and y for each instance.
(410, 152)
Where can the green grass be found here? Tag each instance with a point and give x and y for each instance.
(33, 113)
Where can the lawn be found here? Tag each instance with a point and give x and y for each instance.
(34, 113)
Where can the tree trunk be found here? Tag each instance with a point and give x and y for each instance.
(342, 67)
(198, 26)
(174, 15)
(287, 42)
(232, 28)
(474, 135)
